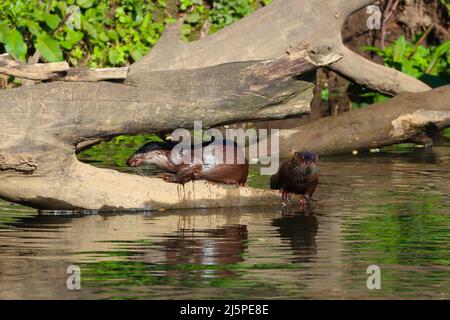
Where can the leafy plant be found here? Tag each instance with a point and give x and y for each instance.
(219, 13)
(84, 32)
(99, 33)
(429, 64)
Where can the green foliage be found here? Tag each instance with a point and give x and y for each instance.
(14, 44)
(49, 48)
(225, 12)
(447, 133)
(429, 64)
(100, 33)
(84, 32)
(415, 59)
(220, 13)
(116, 151)
(446, 3)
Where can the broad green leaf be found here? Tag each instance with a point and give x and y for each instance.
(112, 56)
(89, 28)
(443, 48)
(113, 35)
(103, 36)
(4, 30)
(72, 38)
(52, 20)
(85, 3)
(146, 21)
(49, 48)
(33, 27)
(400, 48)
(409, 68)
(15, 45)
(193, 18)
(136, 55)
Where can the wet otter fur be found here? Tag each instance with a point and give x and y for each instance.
(183, 168)
(299, 175)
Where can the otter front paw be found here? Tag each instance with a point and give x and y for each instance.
(304, 202)
(170, 178)
(285, 196)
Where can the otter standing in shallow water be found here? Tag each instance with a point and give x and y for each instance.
(185, 169)
(298, 175)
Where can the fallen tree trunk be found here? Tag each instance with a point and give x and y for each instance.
(215, 80)
(400, 119)
(272, 31)
(43, 126)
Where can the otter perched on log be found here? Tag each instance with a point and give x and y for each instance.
(186, 165)
(298, 175)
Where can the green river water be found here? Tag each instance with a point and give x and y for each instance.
(390, 209)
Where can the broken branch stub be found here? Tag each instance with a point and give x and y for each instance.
(58, 71)
(37, 71)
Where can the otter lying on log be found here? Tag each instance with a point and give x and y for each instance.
(187, 166)
(298, 175)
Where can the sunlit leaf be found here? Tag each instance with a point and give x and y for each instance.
(400, 48)
(85, 3)
(15, 45)
(72, 38)
(52, 20)
(49, 48)
(33, 27)
(4, 30)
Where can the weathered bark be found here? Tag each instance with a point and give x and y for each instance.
(43, 125)
(400, 119)
(269, 33)
(58, 71)
(36, 71)
(217, 80)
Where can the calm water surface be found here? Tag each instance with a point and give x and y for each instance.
(388, 209)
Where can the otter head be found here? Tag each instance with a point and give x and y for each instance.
(305, 159)
(154, 152)
(304, 165)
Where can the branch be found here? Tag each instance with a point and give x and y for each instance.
(93, 75)
(399, 119)
(58, 71)
(375, 76)
(37, 71)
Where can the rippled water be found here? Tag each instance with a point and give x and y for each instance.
(389, 209)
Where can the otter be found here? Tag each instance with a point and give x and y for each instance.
(185, 165)
(299, 175)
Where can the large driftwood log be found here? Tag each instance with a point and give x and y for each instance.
(269, 33)
(400, 119)
(42, 126)
(217, 80)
